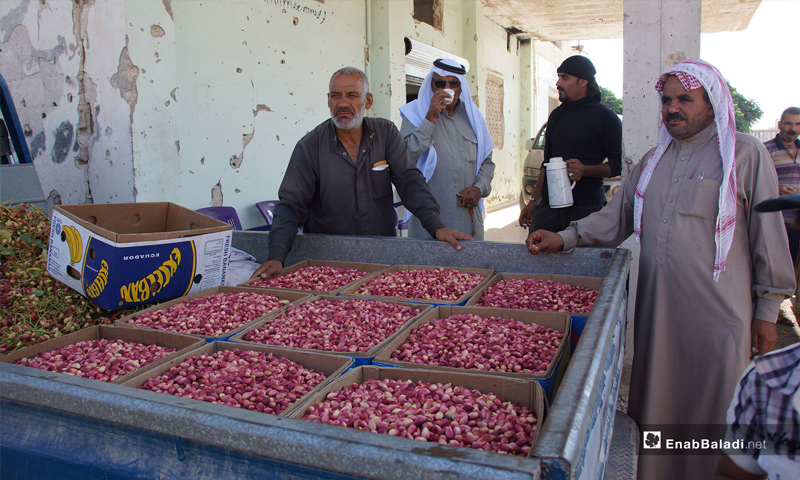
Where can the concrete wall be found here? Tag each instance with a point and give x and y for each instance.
(201, 103)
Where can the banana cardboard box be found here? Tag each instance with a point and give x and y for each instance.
(126, 254)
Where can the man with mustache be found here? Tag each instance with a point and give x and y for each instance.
(588, 136)
(712, 271)
(339, 178)
(784, 148)
(450, 141)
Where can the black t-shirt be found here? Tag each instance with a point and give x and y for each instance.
(591, 132)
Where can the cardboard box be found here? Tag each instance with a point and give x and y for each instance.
(578, 318)
(525, 393)
(127, 254)
(292, 297)
(182, 343)
(361, 357)
(332, 366)
(549, 380)
(487, 273)
(368, 268)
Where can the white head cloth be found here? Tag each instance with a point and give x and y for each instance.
(693, 74)
(416, 110)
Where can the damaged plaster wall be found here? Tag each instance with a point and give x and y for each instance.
(202, 103)
(155, 132)
(248, 93)
(505, 66)
(40, 60)
(56, 56)
(110, 82)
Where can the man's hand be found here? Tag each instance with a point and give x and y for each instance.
(471, 195)
(763, 336)
(575, 169)
(544, 241)
(437, 106)
(526, 214)
(786, 189)
(452, 237)
(269, 269)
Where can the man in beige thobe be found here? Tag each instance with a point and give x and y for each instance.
(712, 272)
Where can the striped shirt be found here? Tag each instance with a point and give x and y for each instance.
(787, 168)
(764, 409)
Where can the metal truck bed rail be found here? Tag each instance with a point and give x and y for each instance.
(54, 425)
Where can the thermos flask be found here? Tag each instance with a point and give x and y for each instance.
(559, 187)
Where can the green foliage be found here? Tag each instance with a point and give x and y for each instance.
(747, 111)
(611, 101)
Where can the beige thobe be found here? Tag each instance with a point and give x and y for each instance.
(456, 145)
(691, 334)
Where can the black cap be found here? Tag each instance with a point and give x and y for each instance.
(578, 66)
(782, 202)
(451, 66)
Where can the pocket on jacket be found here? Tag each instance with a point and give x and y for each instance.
(381, 183)
(700, 199)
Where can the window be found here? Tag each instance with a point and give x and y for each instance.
(429, 11)
(494, 109)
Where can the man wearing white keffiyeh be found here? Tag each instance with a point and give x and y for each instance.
(712, 271)
(448, 137)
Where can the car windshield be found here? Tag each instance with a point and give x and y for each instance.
(540, 138)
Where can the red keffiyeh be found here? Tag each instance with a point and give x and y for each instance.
(693, 74)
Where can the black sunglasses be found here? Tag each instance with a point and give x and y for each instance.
(443, 83)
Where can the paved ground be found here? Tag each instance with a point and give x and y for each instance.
(502, 225)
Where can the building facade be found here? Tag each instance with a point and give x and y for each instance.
(200, 102)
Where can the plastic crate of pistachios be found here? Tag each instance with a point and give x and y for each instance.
(213, 314)
(104, 352)
(544, 293)
(356, 327)
(491, 341)
(258, 378)
(318, 277)
(454, 410)
(431, 285)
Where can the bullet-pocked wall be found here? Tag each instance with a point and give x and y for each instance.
(200, 102)
(68, 69)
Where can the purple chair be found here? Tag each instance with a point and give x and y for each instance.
(401, 225)
(224, 214)
(267, 209)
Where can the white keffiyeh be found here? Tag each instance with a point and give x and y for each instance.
(693, 74)
(416, 110)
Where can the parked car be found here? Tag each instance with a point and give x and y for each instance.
(533, 164)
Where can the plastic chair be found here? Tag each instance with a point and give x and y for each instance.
(224, 214)
(267, 209)
(401, 225)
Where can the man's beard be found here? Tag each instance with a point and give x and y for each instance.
(786, 137)
(351, 124)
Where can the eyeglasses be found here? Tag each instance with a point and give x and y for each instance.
(443, 83)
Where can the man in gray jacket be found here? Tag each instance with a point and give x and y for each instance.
(339, 178)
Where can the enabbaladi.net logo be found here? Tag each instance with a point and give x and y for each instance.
(660, 441)
(651, 439)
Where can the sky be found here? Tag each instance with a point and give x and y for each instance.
(761, 62)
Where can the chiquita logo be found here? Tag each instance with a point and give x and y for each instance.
(142, 290)
(96, 288)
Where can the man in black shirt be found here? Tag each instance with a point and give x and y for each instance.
(585, 133)
(340, 176)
